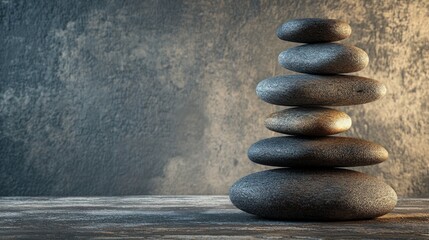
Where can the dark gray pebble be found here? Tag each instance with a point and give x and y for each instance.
(313, 30)
(313, 90)
(294, 151)
(324, 58)
(313, 194)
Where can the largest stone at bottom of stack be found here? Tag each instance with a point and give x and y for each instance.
(329, 194)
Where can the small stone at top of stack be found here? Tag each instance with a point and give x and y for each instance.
(314, 30)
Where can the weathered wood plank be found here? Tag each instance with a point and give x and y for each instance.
(197, 217)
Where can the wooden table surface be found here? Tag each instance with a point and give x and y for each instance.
(184, 217)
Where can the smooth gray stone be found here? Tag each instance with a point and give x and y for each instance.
(324, 58)
(313, 90)
(313, 194)
(313, 30)
(294, 151)
(309, 121)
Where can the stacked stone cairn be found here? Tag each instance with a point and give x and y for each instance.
(311, 185)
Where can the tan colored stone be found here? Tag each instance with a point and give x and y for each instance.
(310, 121)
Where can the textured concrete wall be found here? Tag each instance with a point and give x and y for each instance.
(158, 97)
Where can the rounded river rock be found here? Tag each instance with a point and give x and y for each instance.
(324, 58)
(308, 90)
(294, 151)
(313, 30)
(309, 121)
(313, 194)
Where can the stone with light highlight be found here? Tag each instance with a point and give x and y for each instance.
(297, 151)
(309, 121)
(324, 58)
(314, 30)
(313, 194)
(313, 90)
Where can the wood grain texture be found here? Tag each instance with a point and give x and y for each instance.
(187, 217)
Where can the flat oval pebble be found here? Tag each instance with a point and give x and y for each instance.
(308, 90)
(324, 58)
(313, 194)
(313, 30)
(309, 121)
(294, 151)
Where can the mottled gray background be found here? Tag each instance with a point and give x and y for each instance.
(158, 97)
